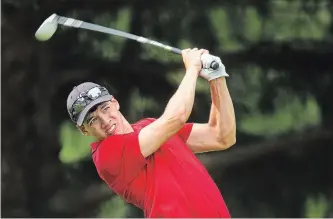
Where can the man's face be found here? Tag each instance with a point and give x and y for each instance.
(106, 120)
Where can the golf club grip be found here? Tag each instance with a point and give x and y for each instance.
(214, 65)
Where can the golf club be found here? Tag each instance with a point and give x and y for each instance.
(49, 26)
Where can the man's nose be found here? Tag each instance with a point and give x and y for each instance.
(105, 120)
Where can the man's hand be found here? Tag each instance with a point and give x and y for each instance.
(208, 73)
(192, 58)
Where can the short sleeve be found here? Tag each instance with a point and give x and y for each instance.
(185, 131)
(119, 157)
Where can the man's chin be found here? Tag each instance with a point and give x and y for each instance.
(109, 134)
(105, 135)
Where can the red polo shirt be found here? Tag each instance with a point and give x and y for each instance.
(169, 183)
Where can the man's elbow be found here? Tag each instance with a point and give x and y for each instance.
(227, 140)
(230, 141)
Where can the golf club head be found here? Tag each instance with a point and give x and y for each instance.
(47, 29)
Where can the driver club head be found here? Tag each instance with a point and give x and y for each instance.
(47, 29)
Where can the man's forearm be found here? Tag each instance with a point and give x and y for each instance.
(222, 116)
(181, 103)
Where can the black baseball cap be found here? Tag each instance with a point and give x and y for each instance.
(83, 98)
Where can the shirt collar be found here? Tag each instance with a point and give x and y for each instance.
(94, 145)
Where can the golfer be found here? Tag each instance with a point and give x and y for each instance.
(151, 163)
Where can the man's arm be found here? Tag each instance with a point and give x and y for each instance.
(220, 131)
(177, 110)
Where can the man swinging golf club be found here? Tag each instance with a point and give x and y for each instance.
(152, 163)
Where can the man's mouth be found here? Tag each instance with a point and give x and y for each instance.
(111, 130)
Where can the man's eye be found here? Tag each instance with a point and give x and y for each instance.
(91, 122)
(105, 108)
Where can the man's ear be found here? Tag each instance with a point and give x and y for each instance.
(116, 104)
(82, 130)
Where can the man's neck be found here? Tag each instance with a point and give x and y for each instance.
(127, 126)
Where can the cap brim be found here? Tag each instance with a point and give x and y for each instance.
(84, 112)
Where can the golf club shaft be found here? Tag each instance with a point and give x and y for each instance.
(94, 27)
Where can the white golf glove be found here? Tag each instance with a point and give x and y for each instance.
(207, 72)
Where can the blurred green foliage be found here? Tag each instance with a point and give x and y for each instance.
(269, 102)
(316, 207)
(113, 208)
(75, 146)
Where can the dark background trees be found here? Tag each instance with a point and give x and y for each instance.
(278, 54)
